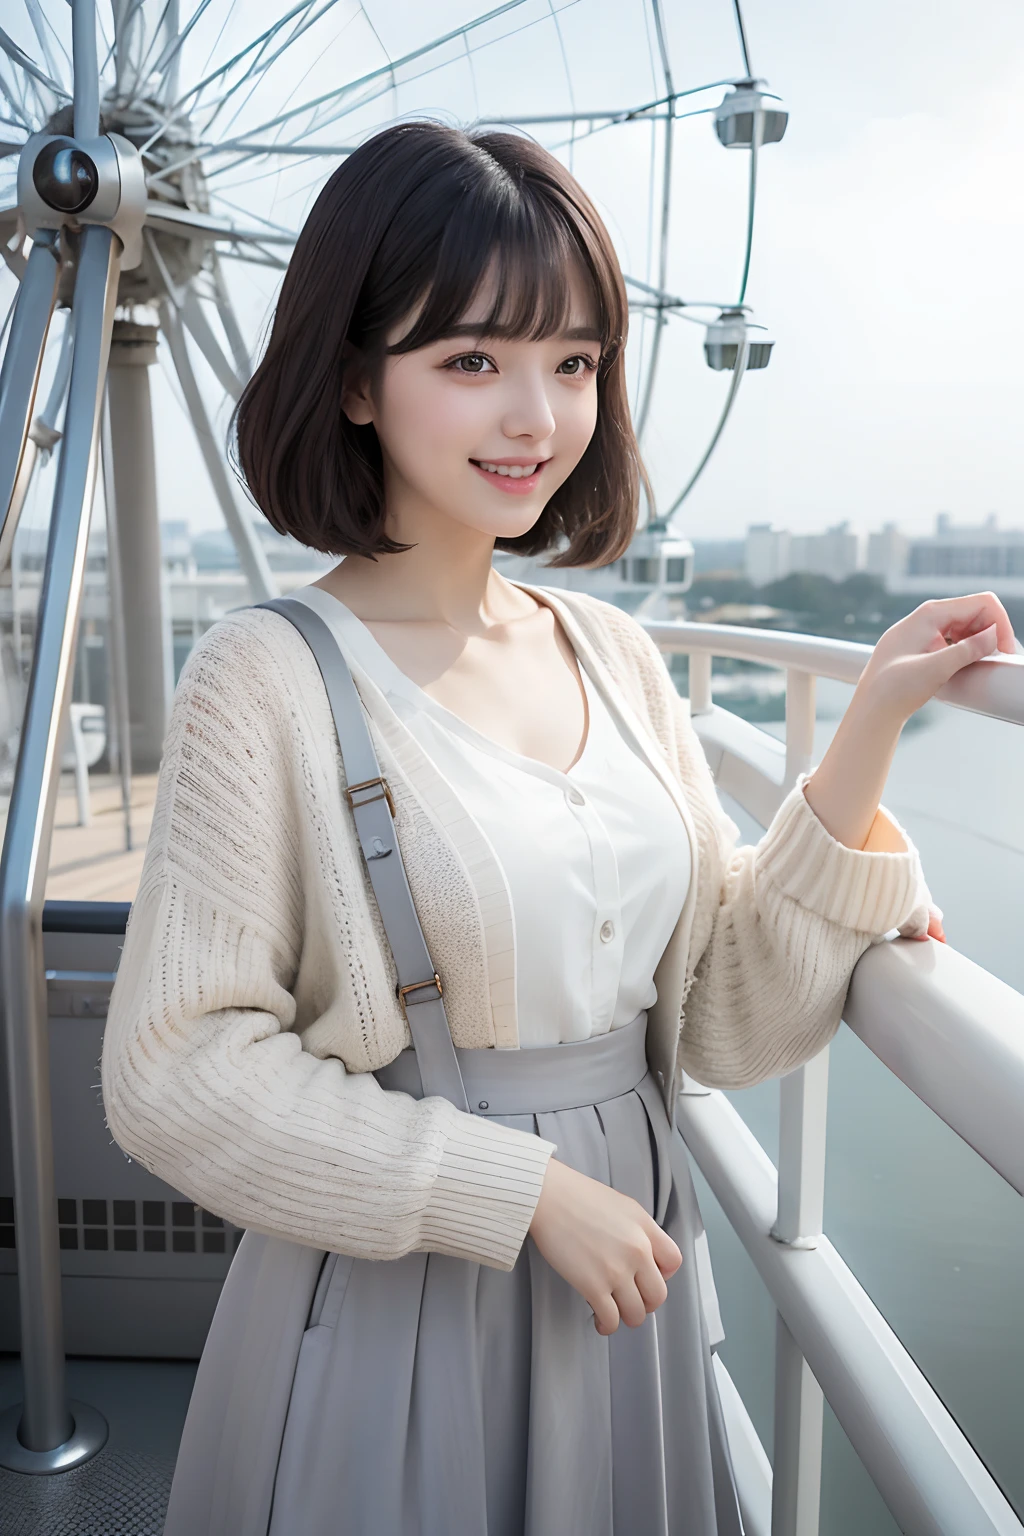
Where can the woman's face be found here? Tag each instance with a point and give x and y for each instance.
(480, 430)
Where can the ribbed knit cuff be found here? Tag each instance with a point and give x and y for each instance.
(487, 1187)
(872, 892)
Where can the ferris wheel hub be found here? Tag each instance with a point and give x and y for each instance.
(64, 182)
(64, 176)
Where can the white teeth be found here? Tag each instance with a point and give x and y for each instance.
(513, 471)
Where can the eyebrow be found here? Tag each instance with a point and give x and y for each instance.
(468, 328)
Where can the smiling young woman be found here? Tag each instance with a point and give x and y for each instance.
(495, 1320)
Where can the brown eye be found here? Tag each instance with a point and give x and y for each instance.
(473, 362)
(575, 366)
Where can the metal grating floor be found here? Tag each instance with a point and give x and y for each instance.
(117, 1493)
(123, 1490)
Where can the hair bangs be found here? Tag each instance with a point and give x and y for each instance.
(514, 246)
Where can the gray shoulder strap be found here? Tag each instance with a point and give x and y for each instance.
(419, 986)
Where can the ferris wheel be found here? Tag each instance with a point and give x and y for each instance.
(155, 166)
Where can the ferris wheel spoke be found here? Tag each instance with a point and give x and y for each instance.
(341, 95)
(262, 259)
(194, 317)
(383, 70)
(256, 72)
(228, 318)
(172, 48)
(128, 17)
(251, 554)
(191, 221)
(269, 225)
(654, 356)
(743, 39)
(259, 66)
(21, 117)
(164, 23)
(743, 352)
(260, 42)
(20, 57)
(223, 69)
(43, 28)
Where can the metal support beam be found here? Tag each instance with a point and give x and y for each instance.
(251, 554)
(118, 712)
(800, 715)
(19, 378)
(700, 683)
(796, 1462)
(803, 1103)
(46, 1435)
(132, 352)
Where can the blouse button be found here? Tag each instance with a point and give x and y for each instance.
(576, 797)
(607, 931)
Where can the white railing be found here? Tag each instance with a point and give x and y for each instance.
(955, 1035)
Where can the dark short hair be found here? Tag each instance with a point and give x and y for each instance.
(418, 214)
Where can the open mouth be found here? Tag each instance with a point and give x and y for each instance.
(515, 476)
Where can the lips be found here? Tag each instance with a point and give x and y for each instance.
(515, 477)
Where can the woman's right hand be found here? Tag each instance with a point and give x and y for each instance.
(605, 1245)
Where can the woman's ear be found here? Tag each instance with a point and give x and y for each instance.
(356, 400)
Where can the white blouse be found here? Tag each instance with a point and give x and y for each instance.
(596, 859)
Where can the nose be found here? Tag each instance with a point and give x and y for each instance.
(528, 411)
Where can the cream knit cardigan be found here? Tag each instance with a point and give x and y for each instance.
(256, 991)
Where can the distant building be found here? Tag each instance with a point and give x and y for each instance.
(772, 553)
(964, 558)
(766, 554)
(834, 553)
(887, 554)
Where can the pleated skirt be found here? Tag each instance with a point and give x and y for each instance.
(434, 1396)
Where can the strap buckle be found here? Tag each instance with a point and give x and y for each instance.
(350, 790)
(434, 981)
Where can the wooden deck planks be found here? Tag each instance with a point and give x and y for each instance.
(90, 863)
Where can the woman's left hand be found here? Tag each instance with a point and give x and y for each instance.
(908, 665)
(921, 652)
(935, 928)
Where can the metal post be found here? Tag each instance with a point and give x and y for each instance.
(52, 1435)
(798, 1224)
(800, 712)
(796, 1459)
(803, 1103)
(117, 659)
(86, 69)
(41, 435)
(19, 378)
(700, 682)
(133, 458)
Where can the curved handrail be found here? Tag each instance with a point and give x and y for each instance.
(954, 1033)
(948, 1028)
(926, 1470)
(951, 1031)
(993, 686)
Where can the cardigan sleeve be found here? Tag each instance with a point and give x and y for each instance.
(794, 913)
(206, 1083)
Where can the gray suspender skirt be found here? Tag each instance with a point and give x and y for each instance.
(433, 1396)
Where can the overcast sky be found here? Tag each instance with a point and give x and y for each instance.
(886, 250)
